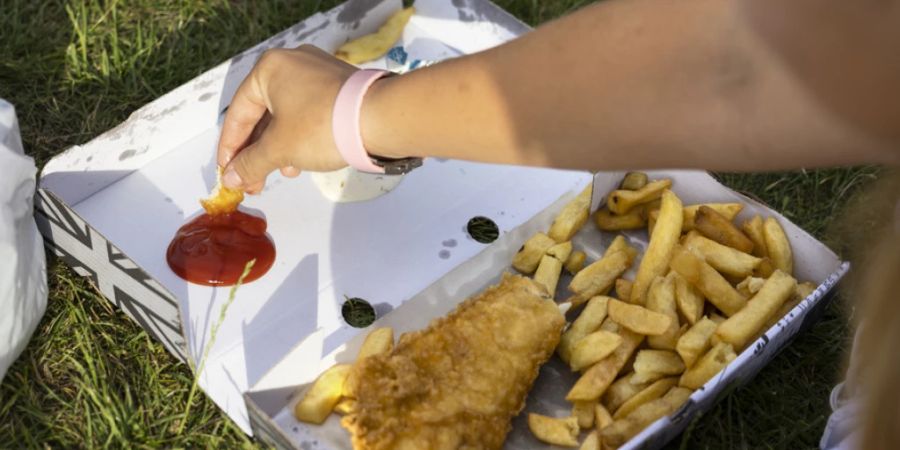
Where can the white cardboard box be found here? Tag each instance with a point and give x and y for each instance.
(110, 207)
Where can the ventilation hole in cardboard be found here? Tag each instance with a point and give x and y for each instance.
(482, 229)
(357, 312)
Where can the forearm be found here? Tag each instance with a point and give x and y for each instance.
(637, 83)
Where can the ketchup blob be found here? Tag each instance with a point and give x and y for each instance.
(214, 249)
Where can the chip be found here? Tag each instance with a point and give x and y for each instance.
(695, 341)
(720, 229)
(637, 318)
(655, 390)
(528, 258)
(622, 200)
(324, 394)
(592, 348)
(738, 329)
(661, 299)
(711, 363)
(778, 246)
(572, 217)
(575, 262)
(222, 200)
(555, 431)
(713, 286)
(373, 46)
(595, 380)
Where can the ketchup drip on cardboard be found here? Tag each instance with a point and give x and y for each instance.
(213, 249)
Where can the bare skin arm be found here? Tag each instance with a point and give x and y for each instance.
(619, 84)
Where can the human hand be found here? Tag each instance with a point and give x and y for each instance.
(280, 118)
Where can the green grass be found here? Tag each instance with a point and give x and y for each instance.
(92, 378)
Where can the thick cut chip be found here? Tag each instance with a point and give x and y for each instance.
(595, 380)
(621, 390)
(655, 261)
(661, 299)
(623, 289)
(620, 431)
(715, 287)
(723, 258)
(750, 286)
(607, 221)
(765, 268)
(802, 291)
(593, 348)
(610, 325)
(324, 394)
(586, 323)
(222, 200)
(575, 262)
(637, 318)
(689, 299)
(602, 417)
(572, 217)
(656, 390)
(591, 442)
(619, 244)
(711, 363)
(729, 210)
(379, 340)
(746, 323)
(753, 228)
(695, 341)
(634, 181)
(652, 216)
(584, 412)
(718, 228)
(560, 251)
(651, 365)
(345, 406)
(778, 246)
(375, 45)
(621, 201)
(547, 274)
(599, 277)
(528, 258)
(563, 432)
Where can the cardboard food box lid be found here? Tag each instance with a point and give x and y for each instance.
(271, 401)
(109, 208)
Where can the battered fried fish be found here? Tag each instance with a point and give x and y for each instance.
(458, 383)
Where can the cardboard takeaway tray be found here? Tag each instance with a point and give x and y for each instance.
(108, 208)
(271, 401)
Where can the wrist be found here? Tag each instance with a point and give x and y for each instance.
(380, 124)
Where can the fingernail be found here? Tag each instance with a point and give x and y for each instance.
(231, 178)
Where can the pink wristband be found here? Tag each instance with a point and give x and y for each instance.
(345, 120)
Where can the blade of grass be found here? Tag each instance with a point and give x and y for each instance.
(212, 339)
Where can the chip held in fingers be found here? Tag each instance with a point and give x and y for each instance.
(222, 200)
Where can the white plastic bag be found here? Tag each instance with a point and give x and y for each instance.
(23, 272)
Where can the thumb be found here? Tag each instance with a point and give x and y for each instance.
(249, 167)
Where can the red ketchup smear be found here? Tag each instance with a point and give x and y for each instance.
(213, 250)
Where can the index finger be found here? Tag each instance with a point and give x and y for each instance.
(247, 108)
